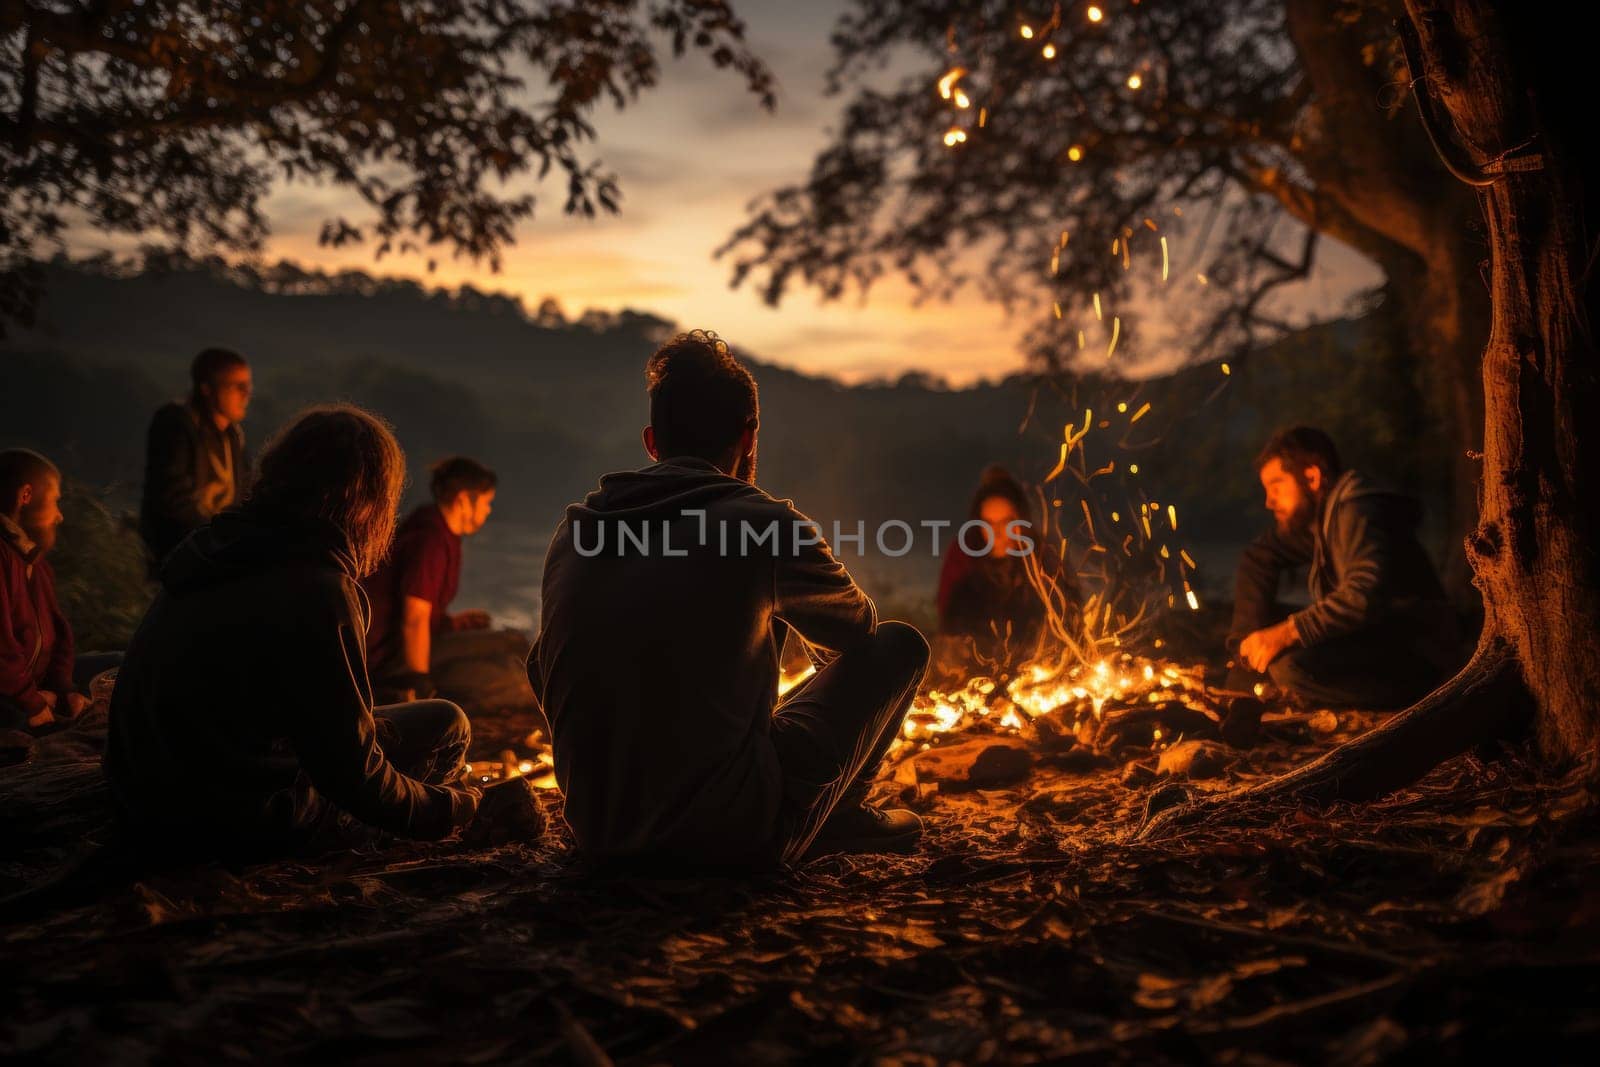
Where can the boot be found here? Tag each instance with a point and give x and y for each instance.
(863, 827)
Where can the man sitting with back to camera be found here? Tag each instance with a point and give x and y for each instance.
(657, 664)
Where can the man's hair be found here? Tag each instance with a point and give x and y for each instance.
(339, 463)
(209, 364)
(20, 467)
(458, 474)
(701, 397)
(1299, 447)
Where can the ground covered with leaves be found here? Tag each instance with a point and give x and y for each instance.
(1458, 919)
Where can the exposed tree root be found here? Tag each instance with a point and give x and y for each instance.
(1477, 705)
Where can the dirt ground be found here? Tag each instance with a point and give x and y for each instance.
(1458, 920)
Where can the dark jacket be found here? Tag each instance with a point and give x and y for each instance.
(192, 470)
(35, 640)
(248, 670)
(658, 672)
(1367, 570)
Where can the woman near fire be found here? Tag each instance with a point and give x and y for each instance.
(243, 718)
(997, 599)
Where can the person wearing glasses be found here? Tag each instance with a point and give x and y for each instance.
(195, 461)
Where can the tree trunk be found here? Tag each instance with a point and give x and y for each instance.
(1497, 81)
(1511, 109)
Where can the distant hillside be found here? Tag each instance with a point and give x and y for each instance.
(553, 403)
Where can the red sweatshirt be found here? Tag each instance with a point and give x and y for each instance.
(35, 640)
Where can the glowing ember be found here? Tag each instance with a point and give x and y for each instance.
(1075, 153)
(1095, 14)
(1134, 81)
(1074, 694)
(1049, 51)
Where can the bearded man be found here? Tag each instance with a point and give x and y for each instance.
(36, 660)
(1379, 632)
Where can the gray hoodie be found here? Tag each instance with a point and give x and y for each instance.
(666, 597)
(1367, 567)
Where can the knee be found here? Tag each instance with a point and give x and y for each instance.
(449, 721)
(903, 645)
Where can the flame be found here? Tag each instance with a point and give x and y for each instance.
(947, 83)
(1073, 692)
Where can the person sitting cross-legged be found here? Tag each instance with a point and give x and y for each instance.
(242, 718)
(657, 656)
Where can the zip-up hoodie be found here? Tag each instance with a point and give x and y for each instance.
(1368, 567)
(248, 669)
(657, 658)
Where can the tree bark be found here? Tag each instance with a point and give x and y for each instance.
(1504, 77)
(1500, 93)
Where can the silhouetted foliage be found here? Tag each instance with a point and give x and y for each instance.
(1269, 131)
(170, 119)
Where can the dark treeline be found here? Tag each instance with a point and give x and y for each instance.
(553, 402)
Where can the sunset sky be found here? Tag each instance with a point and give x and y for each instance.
(690, 155)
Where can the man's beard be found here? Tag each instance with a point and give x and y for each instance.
(746, 467)
(40, 534)
(1298, 522)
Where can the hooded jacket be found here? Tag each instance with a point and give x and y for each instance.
(35, 640)
(666, 596)
(1367, 567)
(248, 670)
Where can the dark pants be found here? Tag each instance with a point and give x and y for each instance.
(424, 739)
(1379, 668)
(832, 731)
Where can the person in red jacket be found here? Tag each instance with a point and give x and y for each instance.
(36, 688)
(988, 595)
